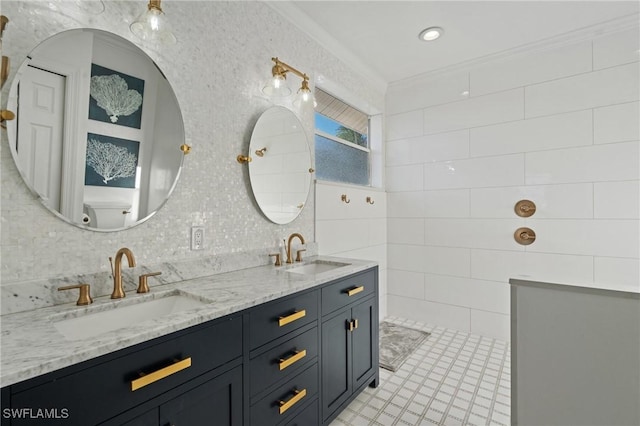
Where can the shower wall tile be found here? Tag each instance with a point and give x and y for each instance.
(405, 178)
(617, 123)
(433, 313)
(472, 233)
(429, 148)
(467, 292)
(617, 200)
(616, 49)
(404, 125)
(475, 173)
(405, 231)
(423, 91)
(446, 203)
(406, 204)
(490, 324)
(616, 271)
(405, 283)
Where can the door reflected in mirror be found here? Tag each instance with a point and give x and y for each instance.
(98, 130)
(280, 170)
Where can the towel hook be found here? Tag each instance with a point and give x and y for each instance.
(345, 199)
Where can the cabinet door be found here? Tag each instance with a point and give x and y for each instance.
(336, 362)
(218, 402)
(150, 418)
(365, 342)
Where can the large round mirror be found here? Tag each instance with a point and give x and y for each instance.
(98, 130)
(280, 170)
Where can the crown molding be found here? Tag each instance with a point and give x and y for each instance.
(303, 22)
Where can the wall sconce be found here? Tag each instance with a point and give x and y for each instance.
(4, 67)
(152, 25)
(277, 87)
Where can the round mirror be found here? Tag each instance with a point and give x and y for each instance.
(98, 130)
(280, 170)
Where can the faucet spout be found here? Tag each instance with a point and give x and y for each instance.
(118, 291)
(291, 237)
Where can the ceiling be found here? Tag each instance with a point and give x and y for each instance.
(382, 36)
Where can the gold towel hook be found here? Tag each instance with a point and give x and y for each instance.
(345, 199)
(370, 201)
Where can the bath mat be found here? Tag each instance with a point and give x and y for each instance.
(397, 343)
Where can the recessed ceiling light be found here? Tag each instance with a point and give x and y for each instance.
(431, 33)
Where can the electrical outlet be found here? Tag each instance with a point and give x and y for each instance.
(197, 237)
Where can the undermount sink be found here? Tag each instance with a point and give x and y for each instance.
(317, 267)
(93, 324)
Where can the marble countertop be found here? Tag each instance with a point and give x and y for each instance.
(31, 345)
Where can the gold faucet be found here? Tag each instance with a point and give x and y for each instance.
(291, 237)
(118, 291)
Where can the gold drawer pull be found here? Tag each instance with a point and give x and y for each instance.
(284, 406)
(284, 363)
(147, 379)
(355, 290)
(291, 318)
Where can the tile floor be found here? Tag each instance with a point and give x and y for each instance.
(453, 378)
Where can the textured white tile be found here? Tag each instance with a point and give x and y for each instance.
(600, 88)
(552, 201)
(405, 125)
(429, 312)
(621, 273)
(407, 284)
(406, 204)
(466, 292)
(420, 92)
(406, 231)
(537, 134)
(616, 49)
(405, 178)
(617, 123)
(609, 162)
(473, 112)
(475, 173)
(528, 68)
(491, 324)
(617, 200)
(446, 203)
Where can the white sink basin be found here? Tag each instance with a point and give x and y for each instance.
(316, 267)
(96, 323)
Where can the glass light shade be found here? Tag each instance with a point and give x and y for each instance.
(152, 26)
(305, 97)
(277, 87)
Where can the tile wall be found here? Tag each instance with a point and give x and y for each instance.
(558, 126)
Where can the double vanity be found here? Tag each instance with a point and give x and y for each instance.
(290, 345)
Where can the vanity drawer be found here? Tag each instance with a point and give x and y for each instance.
(349, 290)
(283, 360)
(307, 417)
(287, 400)
(275, 319)
(101, 390)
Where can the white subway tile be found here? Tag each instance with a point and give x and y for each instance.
(504, 170)
(405, 125)
(448, 232)
(617, 200)
(429, 312)
(598, 237)
(406, 257)
(608, 162)
(481, 111)
(446, 203)
(405, 283)
(491, 324)
(328, 204)
(405, 231)
(618, 273)
(617, 48)
(466, 292)
(528, 68)
(537, 134)
(445, 146)
(446, 261)
(404, 151)
(494, 234)
(406, 204)
(552, 201)
(600, 88)
(377, 231)
(617, 123)
(335, 236)
(496, 265)
(405, 178)
(373, 253)
(423, 91)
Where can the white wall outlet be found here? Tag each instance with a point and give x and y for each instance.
(197, 237)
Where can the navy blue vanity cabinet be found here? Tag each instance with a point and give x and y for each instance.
(349, 342)
(157, 374)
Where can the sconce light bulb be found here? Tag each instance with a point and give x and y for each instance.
(152, 25)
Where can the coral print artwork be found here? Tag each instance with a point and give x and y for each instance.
(115, 97)
(111, 161)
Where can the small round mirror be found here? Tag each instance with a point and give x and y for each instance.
(280, 170)
(98, 130)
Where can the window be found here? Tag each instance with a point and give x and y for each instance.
(341, 141)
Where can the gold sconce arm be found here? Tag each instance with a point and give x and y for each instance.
(281, 68)
(186, 149)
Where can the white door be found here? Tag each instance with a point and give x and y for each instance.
(40, 130)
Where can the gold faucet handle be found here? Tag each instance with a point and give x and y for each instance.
(84, 298)
(143, 286)
(299, 255)
(278, 260)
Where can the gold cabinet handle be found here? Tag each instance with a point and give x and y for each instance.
(355, 324)
(284, 406)
(355, 290)
(291, 318)
(284, 363)
(147, 379)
